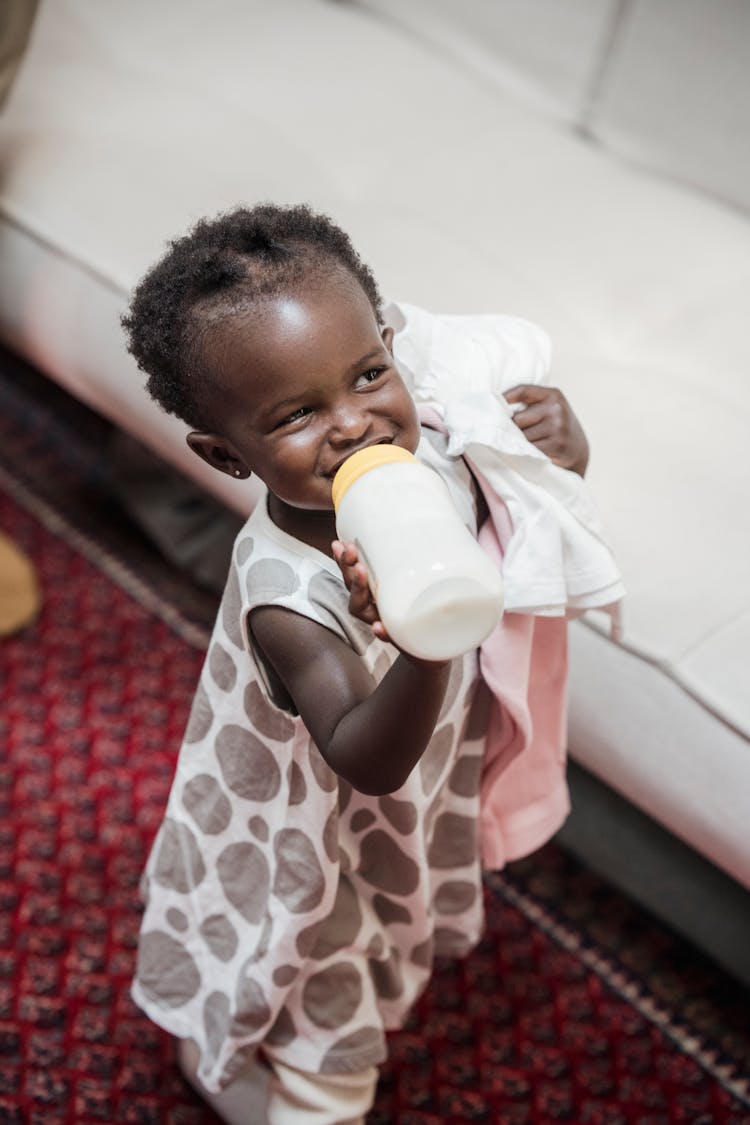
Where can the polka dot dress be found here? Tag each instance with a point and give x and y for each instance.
(284, 908)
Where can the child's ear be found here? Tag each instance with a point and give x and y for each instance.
(218, 453)
(387, 337)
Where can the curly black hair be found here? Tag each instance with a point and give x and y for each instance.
(222, 262)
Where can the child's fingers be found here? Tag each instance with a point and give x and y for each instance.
(359, 587)
(547, 421)
(361, 602)
(356, 580)
(381, 632)
(345, 554)
(538, 434)
(352, 570)
(531, 416)
(527, 393)
(529, 404)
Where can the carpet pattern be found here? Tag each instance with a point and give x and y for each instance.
(576, 1006)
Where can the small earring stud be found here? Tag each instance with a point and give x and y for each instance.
(238, 472)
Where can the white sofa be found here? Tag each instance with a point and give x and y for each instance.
(584, 165)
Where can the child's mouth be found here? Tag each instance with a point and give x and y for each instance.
(379, 441)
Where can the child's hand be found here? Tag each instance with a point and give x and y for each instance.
(361, 602)
(548, 421)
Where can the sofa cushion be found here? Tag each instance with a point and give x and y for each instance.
(676, 97)
(130, 121)
(540, 51)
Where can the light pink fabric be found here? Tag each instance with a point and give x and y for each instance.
(524, 662)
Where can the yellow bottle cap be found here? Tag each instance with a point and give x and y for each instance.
(361, 462)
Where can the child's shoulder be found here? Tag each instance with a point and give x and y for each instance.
(271, 568)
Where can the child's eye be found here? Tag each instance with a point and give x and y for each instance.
(371, 375)
(295, 416)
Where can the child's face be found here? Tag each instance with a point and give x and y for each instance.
(304, 380)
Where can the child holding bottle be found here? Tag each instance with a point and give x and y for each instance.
(324, 835)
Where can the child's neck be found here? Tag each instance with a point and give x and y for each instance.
(315, 528)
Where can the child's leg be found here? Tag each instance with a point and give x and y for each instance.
(244, 1102)
(299, 1098)
(277, 1094)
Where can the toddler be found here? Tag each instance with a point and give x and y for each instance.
(321, 843)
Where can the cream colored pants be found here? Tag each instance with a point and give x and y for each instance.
(276, 1094)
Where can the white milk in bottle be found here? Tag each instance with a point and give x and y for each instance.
(437, 593)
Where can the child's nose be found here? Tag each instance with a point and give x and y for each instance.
(348, 424)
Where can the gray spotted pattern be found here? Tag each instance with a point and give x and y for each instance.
(245, 548)
(389, 911)
(179, 864)
(284, 906)
(299, 881)
(466, 775)
(435, 758)
(222, 667)
(259, 828)
(216, 1020)
(478, 715)
(167, 972)
(368, 1041)
(201, 717)
(331, 835)
(284, 975)
(454, 841)
(251, 1007)
(177, 919)
(322, 772)
(331, 997)
(231, 610)
(341, 927)
(384, 865)
(326, 593)
(455, 896)
(387, 976)
(422, 954)
(283, 1031)
(247, 765)
(362, 819)
(207, 804)
(220, 936)
(271, 574)
(297, 784)
(272, 723)
(244, 875)
(402, 815)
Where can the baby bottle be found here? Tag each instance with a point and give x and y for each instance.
(437, 593)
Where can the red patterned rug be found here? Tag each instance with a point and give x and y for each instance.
(596, 1014)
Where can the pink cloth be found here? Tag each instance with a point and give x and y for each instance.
(524, 662)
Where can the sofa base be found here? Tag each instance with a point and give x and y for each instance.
(620, 843)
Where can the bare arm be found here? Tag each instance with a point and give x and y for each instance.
(370, 734)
